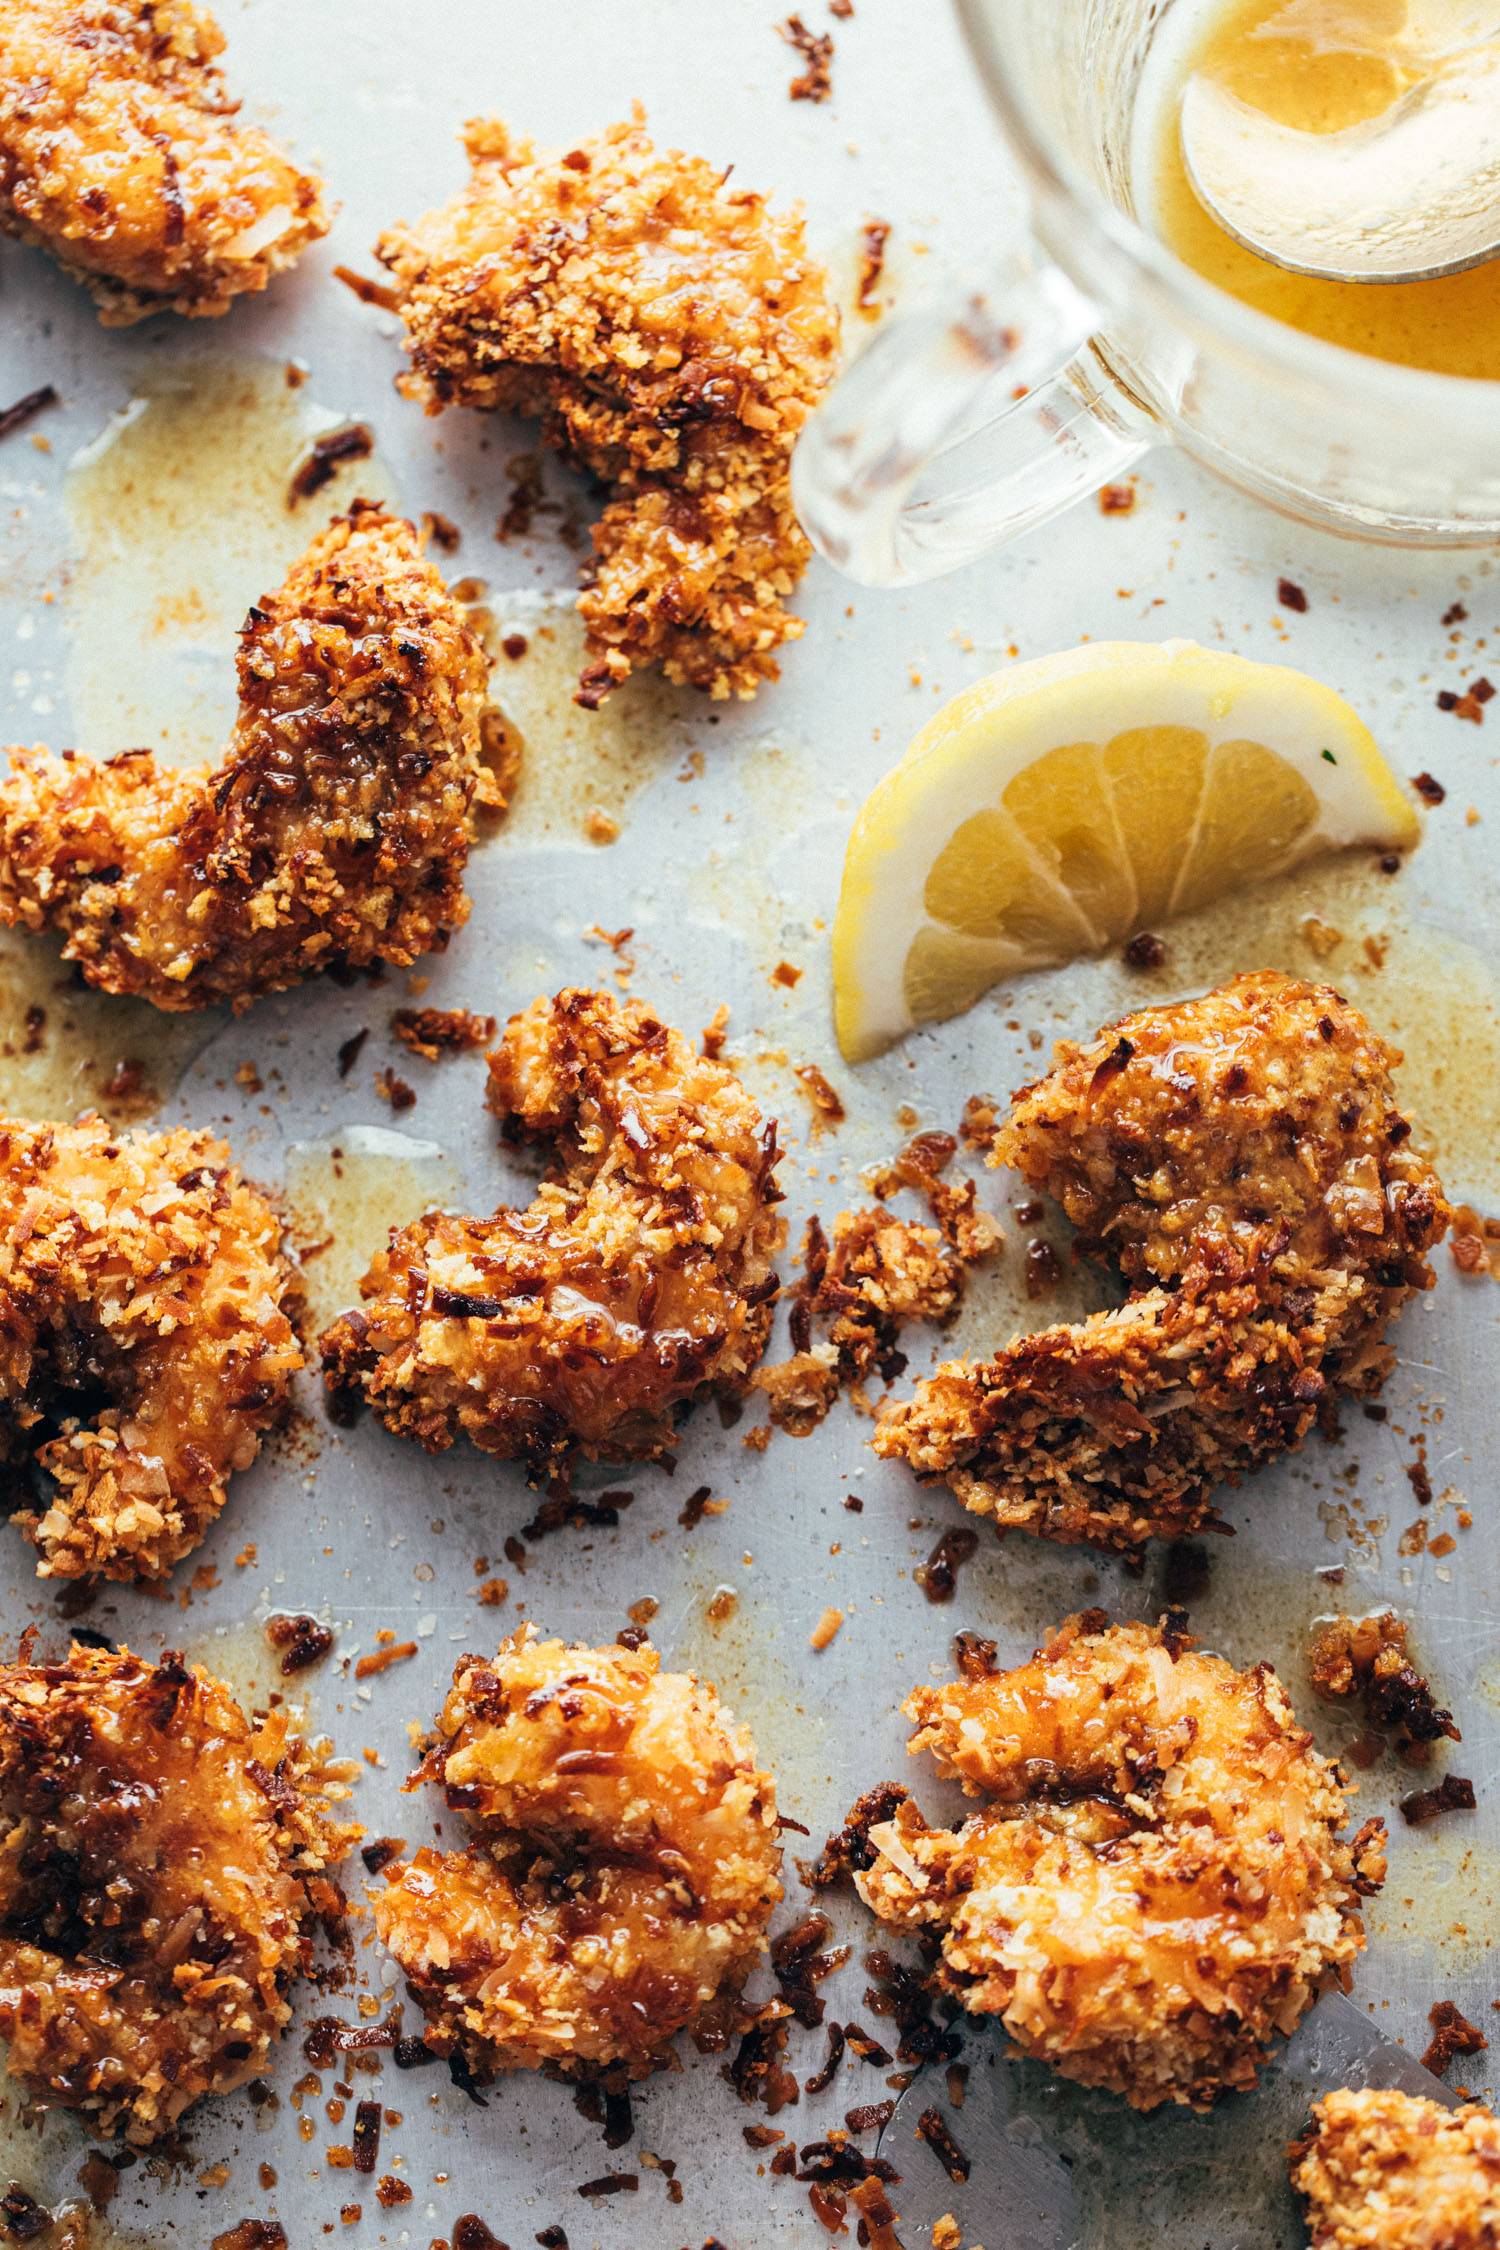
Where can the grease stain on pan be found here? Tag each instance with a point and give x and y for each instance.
(180, 519)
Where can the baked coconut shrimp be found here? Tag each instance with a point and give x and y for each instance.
(641, 1277)
(121, 153)
(1155, 1887)
(672, 334)
(1242, 1162)
(163, 1862)
(623, 1870)
(144, 1340)
(333, 832)
(1387, 2171)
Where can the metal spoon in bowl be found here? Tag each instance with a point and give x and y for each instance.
(1052, 2167)
(1404, 196)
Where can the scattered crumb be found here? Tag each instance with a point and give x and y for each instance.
(1367, 1657)
(875, 235)
(1452, 2034)
(827, 1628)
(391, 1651)
(1452, 1794)
(355, 441)
(815, 83)
(394, 1090)
(828, 1109)
(432, 1032)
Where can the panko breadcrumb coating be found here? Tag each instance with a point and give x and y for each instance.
(333, 832)
(1156, 1887)
(640, 1278)
(144, 1340)
(1389, 2171)
(624, 1866)
(878, 1273)
(1241, 1160)
(163, 1862)
(672, 334)
(120, 152)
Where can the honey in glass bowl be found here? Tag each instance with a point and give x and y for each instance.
(1318, 66)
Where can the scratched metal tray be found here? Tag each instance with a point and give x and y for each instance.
(139, 518)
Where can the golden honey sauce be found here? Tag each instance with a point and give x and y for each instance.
(1319, 66)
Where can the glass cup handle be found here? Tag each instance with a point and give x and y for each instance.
(962, 423)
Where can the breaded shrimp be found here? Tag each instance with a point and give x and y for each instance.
(120, 153)
(333, 832)
(144, 1340)
(162, 1864)
(624, 1868)
(1156, 1886)
(640, 1278)
(673, 335)
(1387, 2171)
(1242, 1161)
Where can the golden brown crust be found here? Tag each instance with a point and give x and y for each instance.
(162, 1864)
(1156, 1887)
(144, 1339)
(335, 829)
(1242, 1161)
(672, 334)
(1389, 2171)
(640, 1278)
(624, 1868)
(121, 154)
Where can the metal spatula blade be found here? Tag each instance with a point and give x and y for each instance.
(1054, 2167)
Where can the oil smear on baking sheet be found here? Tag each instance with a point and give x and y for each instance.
(345, 1194)
(576, 772)
(65, 1048)
(181, 514)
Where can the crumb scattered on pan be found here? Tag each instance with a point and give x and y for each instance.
(1367, 1658)
(433, 1032)
(814, 82)
(355, 441)
(23, 410)
(1452, 2034)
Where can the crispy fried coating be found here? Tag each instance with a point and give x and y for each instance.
(162, 1863)
(672, 334)
(332, 833)
(878, 1273)
(639, 1279)
(1241, 1160)
(120, 153)
(624, 1866)
(144, 1340)
(1388, 2171)
(1368, 1657)
(1156, 1886)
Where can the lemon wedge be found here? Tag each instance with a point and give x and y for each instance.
(1064, 804)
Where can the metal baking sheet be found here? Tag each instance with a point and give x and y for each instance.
(138, 520)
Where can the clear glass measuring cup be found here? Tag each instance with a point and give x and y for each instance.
(1087, 343)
